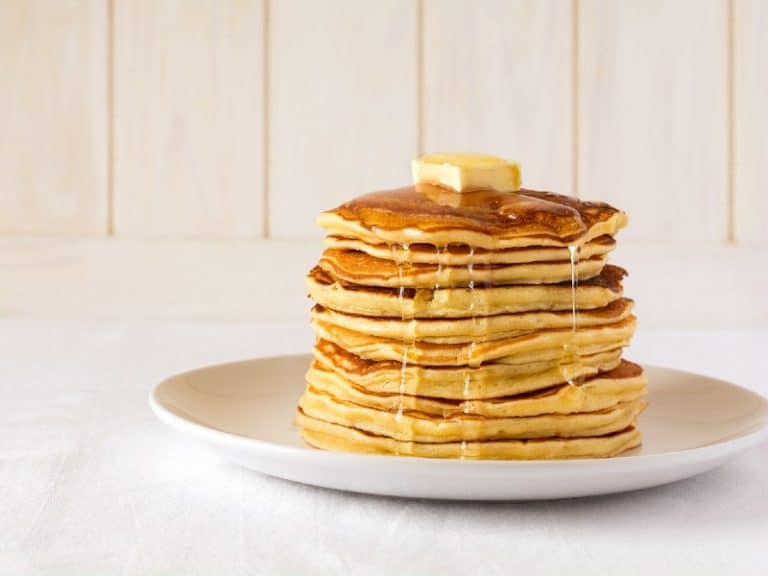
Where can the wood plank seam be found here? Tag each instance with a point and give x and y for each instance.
(265, 231)
(575, 98)
(420, 77)
(730, 103)
(110, 191)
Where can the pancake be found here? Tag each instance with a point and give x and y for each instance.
(360, 268)
(412, 426)
(485, 219)
(327, 436)
(543, 345)
(625, 383)
(474, 329)
(462, 254)
(596, 292)
(490, 380)
(474, 325)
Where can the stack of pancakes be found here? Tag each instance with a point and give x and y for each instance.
(474, 325)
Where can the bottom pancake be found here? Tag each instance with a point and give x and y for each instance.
(328, 436)
(421, 427)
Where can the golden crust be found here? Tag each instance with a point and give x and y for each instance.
(532, 347)
(460, 302)
(475, 329)
(488, 220)
(415, 426)
(462, 255)
(596, 392)
(360, 268)
(328, 436)
(489, 380)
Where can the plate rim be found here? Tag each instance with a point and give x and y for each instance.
(207, 433)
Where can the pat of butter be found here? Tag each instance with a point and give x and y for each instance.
(467, 172)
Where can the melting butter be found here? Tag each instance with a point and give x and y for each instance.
(467, 172)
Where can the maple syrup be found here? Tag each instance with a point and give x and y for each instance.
(431, 208)
(570, 365)
(400, 255)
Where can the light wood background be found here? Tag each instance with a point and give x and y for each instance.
(167, 158)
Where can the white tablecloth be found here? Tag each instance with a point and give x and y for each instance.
(91, 483)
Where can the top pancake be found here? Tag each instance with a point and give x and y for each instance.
(483, 219)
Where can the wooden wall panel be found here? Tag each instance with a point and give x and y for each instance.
(498, 78)
(653, 114)
(53, 117)
(750, 129)
(354, 89)
(342, 104)
(188, 97)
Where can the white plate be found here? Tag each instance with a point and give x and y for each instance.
(245, 411)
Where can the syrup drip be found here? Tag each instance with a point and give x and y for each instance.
(571, 355)
(401, 256)
(403, 367)
(439, 266)
(467, 390)
(426, 208)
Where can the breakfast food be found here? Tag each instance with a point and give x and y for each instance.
(463, 317)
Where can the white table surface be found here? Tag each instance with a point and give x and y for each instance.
(91, 483)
